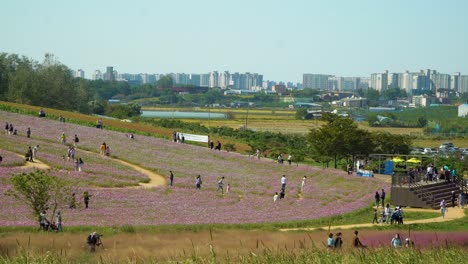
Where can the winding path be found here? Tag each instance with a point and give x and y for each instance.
(156, 180)
(451, 214)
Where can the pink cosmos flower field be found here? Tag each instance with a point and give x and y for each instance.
(115, 202)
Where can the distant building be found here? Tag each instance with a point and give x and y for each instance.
(423, 100)
(463, 110)
(214, 79)
(194, 79)
(80, 74)
(279, 88)
(224, 79)
(109, 75)
(97, 75)
(379, 81)
(315, 81)
(463, 84)
(352, 102)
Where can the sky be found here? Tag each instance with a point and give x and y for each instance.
(279, 39)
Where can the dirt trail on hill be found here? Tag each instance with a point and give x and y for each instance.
(156, 180)
(450, 214)
(37, 164)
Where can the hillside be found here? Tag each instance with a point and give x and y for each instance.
(115, 201)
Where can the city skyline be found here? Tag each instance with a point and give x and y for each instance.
(281, 41)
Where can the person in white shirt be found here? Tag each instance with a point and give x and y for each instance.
(275, 197)
(283, 182)
(304, 179)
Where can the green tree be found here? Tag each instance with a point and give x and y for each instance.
(165, 81)
(40, 191)
(339, 138)
(301, 113)
(386, 143)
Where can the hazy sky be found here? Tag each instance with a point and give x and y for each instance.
(280, 39)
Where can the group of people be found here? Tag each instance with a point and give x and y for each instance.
(10, 130)
(380, 198)
(178, 138)
(46, 225)
(86, 198)
(282, 193)
(211, 145)
(337, 242)
(198, 183)
(433, 175)
(396, 242)
(104, 150)
(389, 216)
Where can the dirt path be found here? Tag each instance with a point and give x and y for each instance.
(156, 180)
(451, 214)
(37, 164)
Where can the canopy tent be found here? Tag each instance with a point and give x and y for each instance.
(413, 160)
(397, 159)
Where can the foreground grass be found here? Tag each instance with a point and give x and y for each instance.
(301, 254)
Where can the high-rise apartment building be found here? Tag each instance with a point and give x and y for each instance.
(79, 74)
(214, 79)
(379, 81)
(463, 84)
(204, 80)
(97, 75)
(194, 79)
(315, 81)
(109, 75)
(440, 81)
(224, 79)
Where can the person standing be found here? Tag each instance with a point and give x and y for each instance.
(103, 149)
(63, 138)
(58, 221)
(275, 197)
(29, 155)
(86, 197)
(198, 182)
(377, 199)
(454, 198)
(171, 178)
(228, 188)
(442, 208)
(283, 183)
(28, 132)
(290, 159)
(221, 185)
(43, 222)
(76, 140)
(303, 184)
(80, 164)
(382, 198)
(34, 151)
(258, 154)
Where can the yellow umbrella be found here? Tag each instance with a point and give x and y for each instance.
(398, 159)
(413, 160)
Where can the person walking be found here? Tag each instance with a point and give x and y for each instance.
(198, 182)
(171, 178)
(290, 159)
(35, 150)
(283, 183)
(377, 199)
(443, 208)
(29, 155)
(221, 185)
(86, 197)
(375, 219)
(382, 198)
(72, 202)
(63, 138)
(303, 184)
(275, 197)
(28, 132)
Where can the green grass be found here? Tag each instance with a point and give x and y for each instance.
(360, 216)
